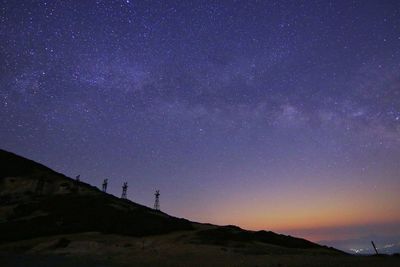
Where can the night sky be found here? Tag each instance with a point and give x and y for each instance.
(273, 115)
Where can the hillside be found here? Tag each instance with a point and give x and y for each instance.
(43, 212)
(36, 201)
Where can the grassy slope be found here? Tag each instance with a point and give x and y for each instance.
(87, 209)
(77, 210)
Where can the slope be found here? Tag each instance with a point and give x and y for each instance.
(36, 201)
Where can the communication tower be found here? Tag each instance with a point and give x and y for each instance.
(157, 200)
(124, 189)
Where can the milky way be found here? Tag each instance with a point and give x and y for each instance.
(270, 115)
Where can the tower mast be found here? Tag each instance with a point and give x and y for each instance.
(105, 183)
(157, 200)
(124, 189)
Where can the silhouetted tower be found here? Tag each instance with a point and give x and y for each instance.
(78, 178)
(105, 182)
(124, 189)
(157, 200)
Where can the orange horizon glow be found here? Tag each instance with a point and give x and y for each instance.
(305, 212)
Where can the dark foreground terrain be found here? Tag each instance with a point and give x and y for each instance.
(48, 219)
(174, 249)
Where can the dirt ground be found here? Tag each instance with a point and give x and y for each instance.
(178, 249)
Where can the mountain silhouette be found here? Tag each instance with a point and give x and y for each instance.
(36, 201)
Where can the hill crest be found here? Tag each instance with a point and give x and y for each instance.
(36, 201)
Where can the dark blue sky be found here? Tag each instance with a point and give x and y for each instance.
(266, 114)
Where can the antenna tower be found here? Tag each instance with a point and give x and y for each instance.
(124, 188)
(157, 200)
(105, 182)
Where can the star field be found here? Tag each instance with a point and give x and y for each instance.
(274, 115)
